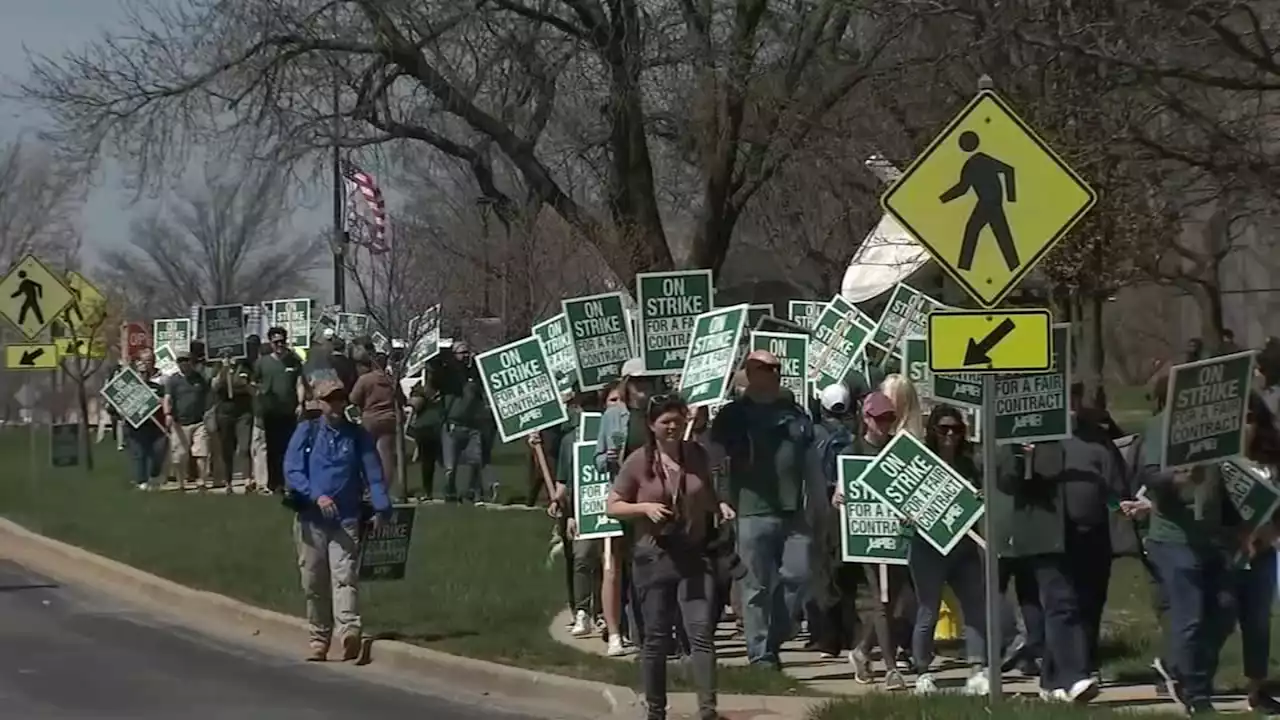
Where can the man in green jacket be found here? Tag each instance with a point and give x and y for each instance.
(277, 377)
(464, 420)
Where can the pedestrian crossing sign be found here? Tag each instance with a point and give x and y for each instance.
(988, 199)
(31, 296)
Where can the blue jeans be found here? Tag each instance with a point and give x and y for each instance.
(962, 569)
(1255, 590)
(148, 451)
(462, 445)
(775, 551)
(1201, 614)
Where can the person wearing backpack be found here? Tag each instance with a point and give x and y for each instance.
(329, 465)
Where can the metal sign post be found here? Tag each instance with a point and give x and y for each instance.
(995, 652)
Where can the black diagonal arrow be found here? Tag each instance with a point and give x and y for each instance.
(978, 353)
(29, 357)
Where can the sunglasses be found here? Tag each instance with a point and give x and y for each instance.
(885, 419)
(769, 367)
(949, 429)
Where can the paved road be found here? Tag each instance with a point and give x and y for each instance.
(68, 655)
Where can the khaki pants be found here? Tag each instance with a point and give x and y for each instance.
(187, 442)
(258, 454)
(328, 559)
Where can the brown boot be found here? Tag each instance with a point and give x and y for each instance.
(319, 651)
(351, 645)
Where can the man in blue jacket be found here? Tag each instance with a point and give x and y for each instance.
(329, 464)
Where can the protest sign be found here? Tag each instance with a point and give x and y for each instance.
(223, 327)
(295, 317)
(921, 487)
(350, 326)
(712, 355)
(131, 396)
(669, 303)
(424, 333)
(174, 332)
(384, 551)
(557, 345)
(1036, 407)
(601, 340)
(905, 314)
(869, 531)
(839, 337)
(1255, 497)
(64, 444)
(1204, 410)
(166, 360)
(522, 393)
(590, 492)
(588, 427)
(915, 363)
(792, 350)
(805, 312)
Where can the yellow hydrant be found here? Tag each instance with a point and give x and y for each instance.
(949, 620)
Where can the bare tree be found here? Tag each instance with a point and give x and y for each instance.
(217, 242)
(39, 206)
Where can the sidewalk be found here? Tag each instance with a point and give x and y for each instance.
(834, 677)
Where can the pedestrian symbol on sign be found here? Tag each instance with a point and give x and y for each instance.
(982, 174)
(31, 292)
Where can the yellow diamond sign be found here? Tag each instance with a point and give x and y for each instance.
(31, 296)
(84, 312)
(988, 198)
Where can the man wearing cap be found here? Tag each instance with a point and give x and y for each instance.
(776, 490)
(329, 465)
(186, 398)
(276, 375)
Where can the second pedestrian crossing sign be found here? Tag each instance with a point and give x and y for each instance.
(31, 296)
(988, 198)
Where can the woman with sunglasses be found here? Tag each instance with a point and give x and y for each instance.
(948, 437)
(664, 492)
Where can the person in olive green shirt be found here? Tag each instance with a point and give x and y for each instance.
(233, 414)
(464, 421)
(186, 398)
(426, 427)
(277, 378)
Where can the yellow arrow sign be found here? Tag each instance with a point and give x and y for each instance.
(31, 296)
(82, 347)
(84, 312)
(31, 356)
(988, 199)
(980, 341)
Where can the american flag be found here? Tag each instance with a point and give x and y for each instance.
(366, 209)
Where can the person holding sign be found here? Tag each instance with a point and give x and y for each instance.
(664, 491)
(148, 444)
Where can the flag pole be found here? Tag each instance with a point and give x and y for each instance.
(340, 238)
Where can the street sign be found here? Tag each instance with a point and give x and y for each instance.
(984, 341)
(921, 487)
(792, 350)
(81, 347)
(522, 393)
(174, 332)
(294, 316)
(131, 396)
(988, 198)
(31, 356)
(31, 296)
(590, 491)
(668, 303)
(1205, 409)
(384, 551)
(601, 340)
(223, 327)
(88, 305)
(804, 312)
(903, 315)
(557, 345)
(64, 444)
(839, 337)
(1036, 407)
(870, 532)
(711, 359)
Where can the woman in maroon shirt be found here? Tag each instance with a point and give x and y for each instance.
(664, 491)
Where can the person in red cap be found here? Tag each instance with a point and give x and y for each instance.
(776, 490)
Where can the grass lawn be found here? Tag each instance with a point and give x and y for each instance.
(940, 707)
(478, 584)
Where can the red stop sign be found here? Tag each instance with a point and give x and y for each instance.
(137, 339)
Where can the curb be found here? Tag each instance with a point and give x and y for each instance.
(547, 692)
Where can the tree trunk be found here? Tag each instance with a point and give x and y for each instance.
(1208, 298)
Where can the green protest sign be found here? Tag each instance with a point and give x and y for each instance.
(712, 355)
(588, 427)
(350, 326)
(295, 317)
(906, 314)
(166, 360)
(757, 312)
(669, 303)
(64, 444)
(522, 393)
(384, 551)
(1036, 407)
(590, 493)
(921, 487)
(174, 332)
(792, 350)
(601, 340)
(424, 339)
(1253, 496)
(804, 312)
(1204, 410)
(839, 336)
(223, 329)
(869, 531)
(915, 361)
(557, 345)
(131, 396)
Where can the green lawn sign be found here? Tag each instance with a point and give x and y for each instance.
(522, 393)
(669, 302)
(804, 312)
(839, 337)
(711, 360)
(601, 340)
(870, 532)
(384, 552)
(590, 492)
(557, 345)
